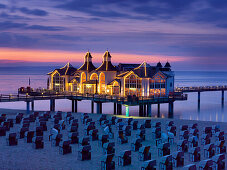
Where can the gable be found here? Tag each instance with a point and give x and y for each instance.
(159, 75)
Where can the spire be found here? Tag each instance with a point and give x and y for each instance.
(88, 65)
(106, 64)
(159, 65)
(167, 65)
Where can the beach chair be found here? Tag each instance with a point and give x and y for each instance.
(183, 127)
(141, 134)
(135, 125)
(28, 136)
(156, 132)
(103, 139)
(56, 139)
(141, 126)
(193, 141)
(209, 151)
(121, 138)
(144, 153)
(11, 139)
(170, 138)
(87, 121)
(178, 159)
(169, 123)
(43, 125)
(189, 167)
(205, 139)
(208, 131)
(109, 148)
(166, 163)
(84, 141)
(88, 128)
(220, 147)
(2, 131)
(62, 124)
(118, 120)
(102, 117)
(6, 124)
(193, 126)
(127, 130)
(147, 123)
(73, 137)
(125, 158)
(206, 164)
(39, 131)
(194, 132)
(129, 121)
(136, 144)
(182, 145)
(107, 162)
(194, 154)
(72, 128)
(74, 122)
(172, 129)
(156, 124)
(164, 149)
(220, 136)
(149, 165)
(215, 129)
(19, 117)
(64, 147)
(113, 118)
(84, 153)
(184, 135)
(37, 142)
(22, 131)
(219, 162)
(11, 122)
(93, 134)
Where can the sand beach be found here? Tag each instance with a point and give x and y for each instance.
(24, 156)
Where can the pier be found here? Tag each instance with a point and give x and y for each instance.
(200, 89)
(143, 102)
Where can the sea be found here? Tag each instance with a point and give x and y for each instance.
(11, 78)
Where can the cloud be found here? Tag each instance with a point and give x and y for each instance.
(13, 25)
(36, 12)
(2, 6)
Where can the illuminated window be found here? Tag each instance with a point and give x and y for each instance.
(133, 85)
(102, 83)
(58, 82)
(94, 76)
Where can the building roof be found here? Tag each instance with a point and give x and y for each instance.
(88, 65)
(68, 69)
(106, 64)
(90, 82)
(126, 67)
(111, 83)
(159, 65)
(167, 65)
(145, 70)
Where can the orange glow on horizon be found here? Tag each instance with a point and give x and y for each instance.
(69, 56)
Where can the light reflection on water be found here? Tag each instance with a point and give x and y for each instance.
(210, 109)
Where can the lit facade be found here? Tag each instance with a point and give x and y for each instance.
(122, 80)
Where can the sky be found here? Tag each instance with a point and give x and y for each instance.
(190, 34)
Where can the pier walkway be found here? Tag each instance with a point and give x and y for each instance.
(200, 89)
(143, 102)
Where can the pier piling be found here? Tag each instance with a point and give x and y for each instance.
(99, 107)
(126, 110)
(73, 106)
(52, 105)
(140, 110)
(170, 115)
(158, 114)
(33, 105)
(28, 107)
(119, 109)
(115, 108)
(92, 106)
(198, 101)
(222, 98)
(148, 110)
(75, 109)
(144, 110)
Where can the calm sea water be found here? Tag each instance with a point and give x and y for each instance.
(211, 110)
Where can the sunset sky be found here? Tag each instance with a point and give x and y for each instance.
(191, 34)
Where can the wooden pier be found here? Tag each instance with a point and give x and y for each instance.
(200, 89)
(144, 103)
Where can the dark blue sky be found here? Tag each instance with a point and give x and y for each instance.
(193, 29)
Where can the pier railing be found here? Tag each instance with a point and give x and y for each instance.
(94, 97)
(201, 88)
